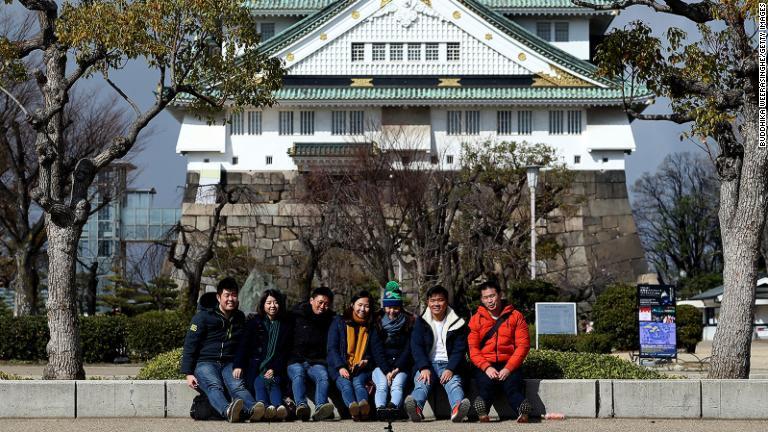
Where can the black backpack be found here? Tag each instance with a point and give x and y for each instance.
(203, 410)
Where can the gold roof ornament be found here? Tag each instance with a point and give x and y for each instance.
(561, 79)
(289, 57)
(456, 15)
(355, 14)
(522, 56)
(361, 82)
(323, 36)
(449, 82)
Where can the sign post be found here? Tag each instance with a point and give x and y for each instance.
(555, 318)
(656, 318)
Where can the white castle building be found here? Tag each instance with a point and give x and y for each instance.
(452, 71)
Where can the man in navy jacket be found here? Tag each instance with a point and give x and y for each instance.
(209, 349)
(439, 346)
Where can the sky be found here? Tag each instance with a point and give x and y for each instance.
(163, 169)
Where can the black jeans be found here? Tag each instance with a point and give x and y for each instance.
(513, 386)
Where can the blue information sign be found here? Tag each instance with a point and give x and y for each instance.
(656, 318)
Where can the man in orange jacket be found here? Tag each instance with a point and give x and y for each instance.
(498, 343)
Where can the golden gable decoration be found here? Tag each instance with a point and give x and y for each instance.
(561, 79)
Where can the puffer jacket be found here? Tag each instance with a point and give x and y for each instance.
(509, 345)
(211, 336)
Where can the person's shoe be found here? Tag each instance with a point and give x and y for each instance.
(281, 413)
(302, 412)
(290, 407)
(323, 412)
(482, 410)
(354, 410)
(523, 411)
(413, 410)
(233, 410)
(270, 412)
(257, 411)
(460, 411)
(365, 408)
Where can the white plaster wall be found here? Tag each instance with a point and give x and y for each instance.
(252, 150)
(578, 33)
(197, 135)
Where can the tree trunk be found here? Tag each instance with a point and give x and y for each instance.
(193, 289)
(743, 205)
(64, 357)
(91, 290)
(25, 283)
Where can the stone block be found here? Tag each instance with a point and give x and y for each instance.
(282, 221)
(232, 178)
(272, 232)
(610, 222)
(259, 230)
(280, 248)
(619, 190)
(609, 207)
(656, 399)
(178, 398)
(26, 399)
(627, 224)
(734, 399)
(603, 190)
(120, 398)
(264, 243)
(193, 178)
(202, 223)
(574, 398)
(287, 234)
(264, 220)
(604, 398)
(574, 224)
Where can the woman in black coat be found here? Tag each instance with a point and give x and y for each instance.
(263, 351)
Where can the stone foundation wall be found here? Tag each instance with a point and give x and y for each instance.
(599, 235)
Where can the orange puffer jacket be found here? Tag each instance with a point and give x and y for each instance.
(510, 344)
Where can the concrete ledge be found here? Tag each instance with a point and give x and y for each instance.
(734, 399)
(121, 398)
(574, 398)
(178, 398)
(657, 399)
(604, 398)
(27, 399)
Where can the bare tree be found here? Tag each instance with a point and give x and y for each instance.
(676, 213)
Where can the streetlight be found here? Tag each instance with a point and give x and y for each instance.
(533, 179)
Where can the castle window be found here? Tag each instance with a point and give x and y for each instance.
(574, 122)
(432, 52)
(449, 159)
(504, 122)
(452, 52)
(307, 122)
(544, 30)
(267, 30)
(396, 52)
(577, 159)
(286, 123)
(555, 122)
(472, 122)
(236, 123)
(268, 160)
(254, 122)
(338, 122)
(524, 122)
(356, 120)
(561, 32)
(379, 52)
(358, 52)
(235, 160)
(414, 52)
(454, 123)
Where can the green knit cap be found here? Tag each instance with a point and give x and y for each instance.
(393, 296)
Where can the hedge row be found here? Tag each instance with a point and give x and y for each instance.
(543, 364)
(583, 343)
(103, 338)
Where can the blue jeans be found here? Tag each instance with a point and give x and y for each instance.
(213, 378)
(383, 387)
(268, 390)
(513, 387)
(452, 387)
(298, 372)
(353, 391)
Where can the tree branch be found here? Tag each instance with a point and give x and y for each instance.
(124, 96)
(13, 98)
(701, 12)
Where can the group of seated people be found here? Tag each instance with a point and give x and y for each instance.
(242, 365)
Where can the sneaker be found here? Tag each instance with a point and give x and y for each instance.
(233, 410)
(270, 412)
(290, 408)
(354, 410)
(460, 411)
(302, 412)
(323, 412)
(413, 409)
(482, 410)
(365, 408)
(523, 411)
(257, 411)
(281, 413)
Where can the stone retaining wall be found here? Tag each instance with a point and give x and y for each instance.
(733, 399)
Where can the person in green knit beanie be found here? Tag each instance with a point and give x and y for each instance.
(391, 350)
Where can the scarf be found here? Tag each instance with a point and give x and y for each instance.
(273, 328)
(357, 341)
(393, 326)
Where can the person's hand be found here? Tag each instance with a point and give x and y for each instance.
(192, 381)
(504, 374)
(492, 373)
(391, 375)
(269, 374)
(237, 373)
(446, 376)
(425, 376)
(344, 373)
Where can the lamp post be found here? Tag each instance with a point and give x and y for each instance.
(533, 179)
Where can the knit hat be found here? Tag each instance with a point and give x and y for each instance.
(393, 296)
